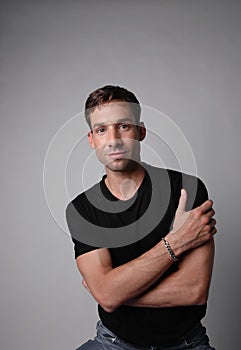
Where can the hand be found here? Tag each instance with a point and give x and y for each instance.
(193, 228)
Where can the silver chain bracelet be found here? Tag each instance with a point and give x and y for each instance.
(169, 249)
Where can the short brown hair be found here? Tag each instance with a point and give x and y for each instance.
(109, 93)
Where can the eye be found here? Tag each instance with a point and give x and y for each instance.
(100, 130)
(124, 126)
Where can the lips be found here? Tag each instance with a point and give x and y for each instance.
(117, 155)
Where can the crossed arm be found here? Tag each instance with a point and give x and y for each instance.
(189, 285)
(131, 283)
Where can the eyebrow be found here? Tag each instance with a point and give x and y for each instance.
(119, 121)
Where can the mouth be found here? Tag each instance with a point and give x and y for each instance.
(117, 155)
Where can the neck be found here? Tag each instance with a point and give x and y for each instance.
(123, 185)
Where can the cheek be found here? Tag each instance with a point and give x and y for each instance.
(99, 147)
(98, 142)
(132, 143)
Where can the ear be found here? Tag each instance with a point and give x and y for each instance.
(90, 139)
(142, 131)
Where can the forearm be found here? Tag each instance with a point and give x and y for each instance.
(168, 293)
(115, 286)
(187, 286)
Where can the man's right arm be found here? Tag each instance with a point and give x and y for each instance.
(112, 287)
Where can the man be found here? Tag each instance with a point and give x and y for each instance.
(148, 262)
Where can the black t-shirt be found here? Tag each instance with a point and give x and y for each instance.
(148, 216)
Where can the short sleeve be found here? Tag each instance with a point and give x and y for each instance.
(197, 192)
(202, 194)
(79, 247)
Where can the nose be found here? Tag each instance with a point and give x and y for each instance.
(113, 136)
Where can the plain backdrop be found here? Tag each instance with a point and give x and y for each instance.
(181, 57)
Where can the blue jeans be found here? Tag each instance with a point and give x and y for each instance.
(196, 339)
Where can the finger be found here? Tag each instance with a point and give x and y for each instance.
(206, 206)
(182, 201)
(214, 230)
(213, 222)
(210, 213)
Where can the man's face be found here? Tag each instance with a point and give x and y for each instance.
(115, 136)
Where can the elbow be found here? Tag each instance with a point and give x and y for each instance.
(108, 308)
(200, 296)
(107, 302)
(104, 297)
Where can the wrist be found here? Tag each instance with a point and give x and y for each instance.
(169, 249)
(174, 244)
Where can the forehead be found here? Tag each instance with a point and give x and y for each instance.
(112, 112)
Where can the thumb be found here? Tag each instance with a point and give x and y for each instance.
(182, 201)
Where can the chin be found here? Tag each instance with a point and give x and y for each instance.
(122, 165)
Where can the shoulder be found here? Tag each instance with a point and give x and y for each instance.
(83, 199)
(77, 213)
(176, 180)
(175, 176)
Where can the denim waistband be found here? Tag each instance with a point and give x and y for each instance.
(196, 335)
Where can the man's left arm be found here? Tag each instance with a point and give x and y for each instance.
(189, 285)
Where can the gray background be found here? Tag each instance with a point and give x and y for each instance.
(180, 57)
